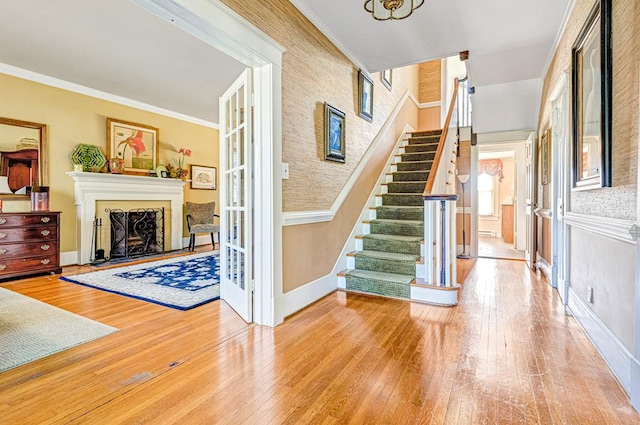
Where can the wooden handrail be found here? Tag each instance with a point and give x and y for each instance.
(445, 131)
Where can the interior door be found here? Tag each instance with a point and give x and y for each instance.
(530, 202)
(560, 182)
(235, 197)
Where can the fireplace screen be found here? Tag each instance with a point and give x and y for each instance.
(137, 232)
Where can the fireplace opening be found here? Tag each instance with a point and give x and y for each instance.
(137, 232)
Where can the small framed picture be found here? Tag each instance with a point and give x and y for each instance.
(137, 144)
(545, 153)
(365, 96)
(334, 134)
(386, 77)
(203, 177)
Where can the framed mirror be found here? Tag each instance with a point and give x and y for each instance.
(22, 157)
(592, 100)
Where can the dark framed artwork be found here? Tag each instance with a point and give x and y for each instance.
(365, 96)
(591, 100)
(334, 136)
(386, 76)
(545, 156)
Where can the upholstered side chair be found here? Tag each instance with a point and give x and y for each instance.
(201, 219)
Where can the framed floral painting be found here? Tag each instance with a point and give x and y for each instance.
(136, 144)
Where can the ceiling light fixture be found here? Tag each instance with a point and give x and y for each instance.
(383, 10)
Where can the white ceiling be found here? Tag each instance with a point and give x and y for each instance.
(509, 41)
(119, 48)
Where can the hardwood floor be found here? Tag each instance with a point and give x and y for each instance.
(507, 354)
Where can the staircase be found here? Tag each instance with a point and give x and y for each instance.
(390, 250)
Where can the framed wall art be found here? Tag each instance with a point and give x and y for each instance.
(365, 96)
(203, 177)
(386, 77)
(334, 134)
(136, 144)
(591, 98)
(545, 156)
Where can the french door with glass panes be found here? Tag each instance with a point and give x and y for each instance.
(235, 197)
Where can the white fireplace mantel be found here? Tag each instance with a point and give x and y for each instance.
(93, 187)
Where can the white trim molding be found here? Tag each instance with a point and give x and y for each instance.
(305, 295)
(98, 94)
(614, 228)
(612, 350)
(434, 104)
(69, 258)
(295, 218)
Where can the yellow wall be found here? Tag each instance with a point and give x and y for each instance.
(74, 118)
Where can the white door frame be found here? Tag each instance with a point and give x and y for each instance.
(531, 201)
(560, 186)
(220, 27)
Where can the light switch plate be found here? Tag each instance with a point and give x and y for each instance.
(285, 171)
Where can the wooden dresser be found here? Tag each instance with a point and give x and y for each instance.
(507, 223)
(29, 243)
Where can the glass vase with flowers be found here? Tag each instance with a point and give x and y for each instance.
(181, 172)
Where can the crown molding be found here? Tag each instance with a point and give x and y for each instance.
(47, 80)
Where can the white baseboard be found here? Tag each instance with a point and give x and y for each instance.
(301, 297)
(615, 354)
(69, 258)
(635, 384)
(545, 268)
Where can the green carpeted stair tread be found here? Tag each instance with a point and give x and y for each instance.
(391, 277)
(392, 243)
(402, 199)
(406, 186)
(410, 176)
(417, 156)
(380, 283)
(399, 238)
(397, 227)
(381, 255)
(392, 221)
(414, 165)
(400, 212)
(418, 148)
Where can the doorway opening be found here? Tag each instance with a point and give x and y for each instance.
(500, 214)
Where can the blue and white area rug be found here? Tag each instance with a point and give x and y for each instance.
(182, 283)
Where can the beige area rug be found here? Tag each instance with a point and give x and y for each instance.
(31, 329)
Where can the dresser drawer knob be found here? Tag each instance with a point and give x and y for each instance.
(3, 251)
(45, 219)
(3, 235)
(43, 233)
(45, 261)
(45, 247)
(2, 267)
(2, 221)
